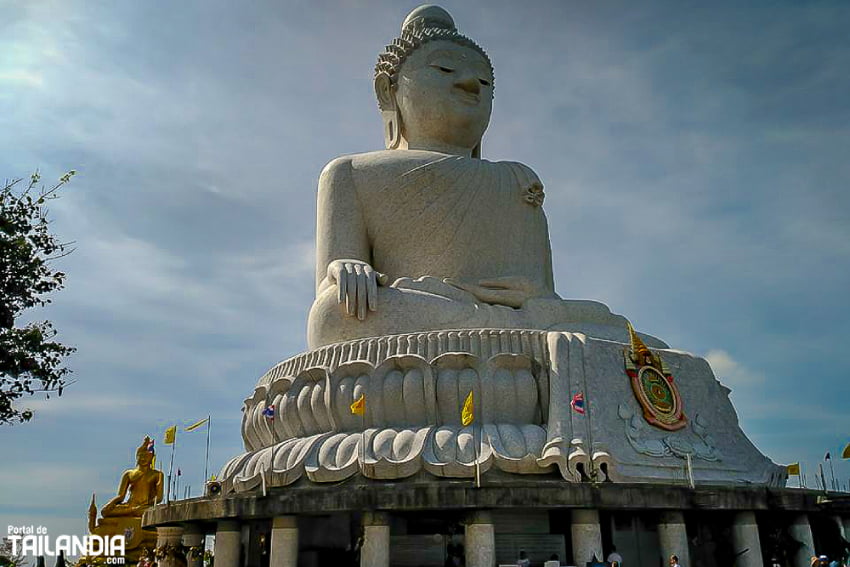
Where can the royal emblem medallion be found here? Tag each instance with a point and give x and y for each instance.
(653, 385)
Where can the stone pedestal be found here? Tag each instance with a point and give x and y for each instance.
(480, 541)
(284, 549)
(673, 537)
(846, 522)
(376, 540)
(228, 544)
(193, 538)
(168, 542)
(802, 532)
(745, 536)
(587, 536)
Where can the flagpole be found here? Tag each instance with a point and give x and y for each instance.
(171, 468)
(832, 470)
(274, 431)
(477, 464)
(207, 458)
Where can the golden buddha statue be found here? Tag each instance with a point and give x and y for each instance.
(144, 484)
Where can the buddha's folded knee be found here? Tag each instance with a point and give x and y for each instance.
(402, 309)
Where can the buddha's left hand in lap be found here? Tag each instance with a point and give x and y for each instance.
(511, 291)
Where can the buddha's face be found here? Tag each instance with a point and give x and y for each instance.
(445, 94)
(144, 458)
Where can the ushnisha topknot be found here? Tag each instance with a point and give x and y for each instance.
(426, 23)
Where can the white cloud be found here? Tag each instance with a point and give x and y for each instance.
(732, 373)
(22, 77)
(105, 406)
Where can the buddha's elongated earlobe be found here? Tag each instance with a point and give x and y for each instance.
(392, 129)
(389, 111)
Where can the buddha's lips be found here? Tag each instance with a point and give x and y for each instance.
(470, 98)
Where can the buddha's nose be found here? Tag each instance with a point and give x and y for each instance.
(469, 84)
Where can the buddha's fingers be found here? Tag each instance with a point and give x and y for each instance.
(341, 286)
(509, 297)
(351, 289)
(362, 280)
(495, 292)
(371, 287)
(518, 283)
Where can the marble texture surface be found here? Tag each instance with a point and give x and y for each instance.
(524, 423)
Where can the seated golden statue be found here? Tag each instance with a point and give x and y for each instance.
(144, 484)
(426, 235)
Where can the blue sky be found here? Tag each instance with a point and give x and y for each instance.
(695, 158)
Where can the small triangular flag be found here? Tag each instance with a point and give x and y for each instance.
(358, 406)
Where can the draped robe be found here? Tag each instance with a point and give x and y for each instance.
(429, 221)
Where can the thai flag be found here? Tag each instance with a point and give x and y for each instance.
(150, 446)
(577, 403)
(269, 412)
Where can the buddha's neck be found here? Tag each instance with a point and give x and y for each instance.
(438, 146)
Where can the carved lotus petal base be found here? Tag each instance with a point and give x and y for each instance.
(391, 453)
(522, 381)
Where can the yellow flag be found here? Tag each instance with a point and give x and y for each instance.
(197, 424)
(466, 416)
(358, 407)
(793, 469)
(170, 435)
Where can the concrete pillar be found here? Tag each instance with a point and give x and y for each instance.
(587, 536)
(802, 532)
(194, 538)
(228, 544)
(673, 537)
(745, 535)
(376, 540)
(841, 526)
(168, 542)
(284, 551)
(480, 541)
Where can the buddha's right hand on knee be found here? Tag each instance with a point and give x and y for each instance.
(357, 285)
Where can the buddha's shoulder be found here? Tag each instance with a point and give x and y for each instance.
(368, 168)
(383, 159)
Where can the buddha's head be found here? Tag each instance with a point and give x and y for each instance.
(434, 86)
(145, 453)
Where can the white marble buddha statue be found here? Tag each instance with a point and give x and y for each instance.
(425, 235)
